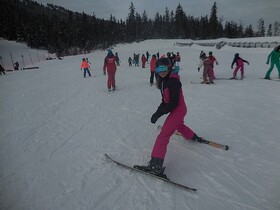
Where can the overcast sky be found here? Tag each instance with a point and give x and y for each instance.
(245, 11)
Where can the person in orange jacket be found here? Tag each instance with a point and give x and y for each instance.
(85, 66)
(110, 65)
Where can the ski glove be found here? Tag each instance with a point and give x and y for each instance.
(154, 118)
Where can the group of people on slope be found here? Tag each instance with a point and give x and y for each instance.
(111, 61)
(208, 67)
(208, 64)
(136, 59)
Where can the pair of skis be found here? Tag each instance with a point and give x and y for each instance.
(164, 178)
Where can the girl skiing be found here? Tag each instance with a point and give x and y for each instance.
(239, 65)
(174, 104)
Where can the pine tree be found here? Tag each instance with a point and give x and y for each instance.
(179, 21)
(261, 28)
(213, 22)
(269, 30)
(131, 23)
(276, 28)
(249, 31)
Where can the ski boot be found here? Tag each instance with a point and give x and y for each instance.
(198, 139)
(154, 167)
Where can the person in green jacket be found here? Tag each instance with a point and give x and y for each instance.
(274, 58)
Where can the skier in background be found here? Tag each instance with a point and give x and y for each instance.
(130, 61)
(173, 103)
(207, 69)
(239, 65)
(177, 59)
(274, 58)
(214, 60)
(110, 65)
(152, 69)
(143, 60)
(16, 65)
(85, 66)
(147, 56)
(117, 59)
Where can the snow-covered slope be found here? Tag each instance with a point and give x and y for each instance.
(56, 127)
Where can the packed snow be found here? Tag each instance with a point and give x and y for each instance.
(56, 127)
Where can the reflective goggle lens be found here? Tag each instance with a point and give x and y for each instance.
(160, 69)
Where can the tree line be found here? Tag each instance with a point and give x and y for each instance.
(62, 31)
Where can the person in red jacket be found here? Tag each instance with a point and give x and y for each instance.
(153, 68)
(143, 60)
(111, 67)
(85, 66)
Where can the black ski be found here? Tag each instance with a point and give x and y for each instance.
(152, 175)
(202, 83)
(227, 79)
(205, 141)
(275, 80)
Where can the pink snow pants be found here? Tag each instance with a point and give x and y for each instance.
(174, 121)
(241, 67)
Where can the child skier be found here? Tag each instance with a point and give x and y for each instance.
(214, 60)
(207, 69)
(85, 66)
(274, 58)
(174, 104)
(239, 65)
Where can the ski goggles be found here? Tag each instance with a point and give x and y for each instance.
(160, 69)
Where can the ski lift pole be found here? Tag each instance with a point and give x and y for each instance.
(12, 59)
(38, 56)
(22, 60)
(31, 59)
